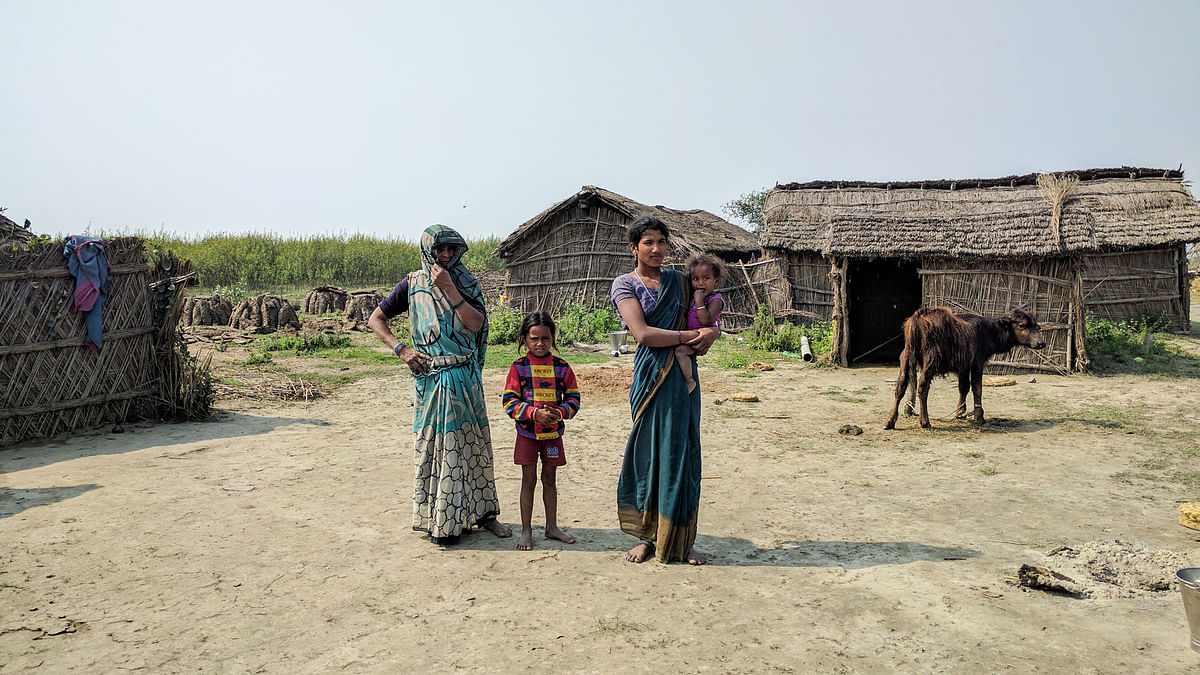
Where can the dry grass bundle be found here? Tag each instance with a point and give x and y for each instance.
(185, 381)
(286, 390)
(1057, 189)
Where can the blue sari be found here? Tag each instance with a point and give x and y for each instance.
(658, 494)
(454, 486)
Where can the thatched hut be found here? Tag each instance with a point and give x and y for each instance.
(572, 251)
(1106, 242)
(12, 234)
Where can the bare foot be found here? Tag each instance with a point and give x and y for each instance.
(495, 527)
(691, 386)
(696, 557)
(526, 542)
(555, 533)
(640, 552)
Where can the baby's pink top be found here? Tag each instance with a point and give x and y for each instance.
(694, 321)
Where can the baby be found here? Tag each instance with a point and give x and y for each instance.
(706, 272)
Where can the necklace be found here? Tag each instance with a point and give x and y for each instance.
(642, 281)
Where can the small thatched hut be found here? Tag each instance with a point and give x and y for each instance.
(1106, 242)
(12, 234)
(572, 251)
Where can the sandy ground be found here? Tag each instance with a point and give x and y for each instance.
(276, 538)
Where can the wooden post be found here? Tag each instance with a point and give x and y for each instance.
(1078, 316)
(841, 329)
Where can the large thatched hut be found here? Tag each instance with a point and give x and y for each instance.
(572, 251)
(1105, 242)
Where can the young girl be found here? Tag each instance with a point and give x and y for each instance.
(540, 393)
(706, 273)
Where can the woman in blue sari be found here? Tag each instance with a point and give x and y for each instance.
(658, 494)
(454, 487)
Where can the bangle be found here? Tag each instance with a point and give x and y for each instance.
(458, 304)
(679, 334)
(398, 347)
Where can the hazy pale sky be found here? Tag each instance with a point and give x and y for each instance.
(304, 118)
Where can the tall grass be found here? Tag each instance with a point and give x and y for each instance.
(267, 261)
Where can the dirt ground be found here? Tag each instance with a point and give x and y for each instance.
(276, 538)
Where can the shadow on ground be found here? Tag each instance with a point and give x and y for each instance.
(734, 551)
(1003, 425)
(16, 500)
(34, 454)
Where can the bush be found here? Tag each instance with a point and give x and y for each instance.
(581, 324)
(504, 323)
(785, 337)
(234, 292)
(1112, 344)
(576, 323)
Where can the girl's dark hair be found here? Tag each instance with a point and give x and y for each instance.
(538, 319)
(642, 223)
(714, 263)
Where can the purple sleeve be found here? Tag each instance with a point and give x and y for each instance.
(716, 320)
(396, 302)
(623, 287)
(626, 286)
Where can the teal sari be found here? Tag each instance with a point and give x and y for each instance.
(454, 487)
(658, 494)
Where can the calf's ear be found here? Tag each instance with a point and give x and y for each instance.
(1005, 322)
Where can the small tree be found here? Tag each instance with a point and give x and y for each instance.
(748, 208)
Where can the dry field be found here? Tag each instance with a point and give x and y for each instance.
(275, 538)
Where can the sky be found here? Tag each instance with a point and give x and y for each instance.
(307, 118)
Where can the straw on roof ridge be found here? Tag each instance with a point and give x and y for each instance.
(967, 183)
(1107, 210)
(696, 228)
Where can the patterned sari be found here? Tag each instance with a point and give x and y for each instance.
(658, 494)
(454, 486)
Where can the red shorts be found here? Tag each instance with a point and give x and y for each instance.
(530, 449)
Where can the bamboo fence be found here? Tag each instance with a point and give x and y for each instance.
(49, 381)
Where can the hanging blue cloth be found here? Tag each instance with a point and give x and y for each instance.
(88, 264)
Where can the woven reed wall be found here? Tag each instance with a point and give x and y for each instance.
(575, 254)
(1048, 288)
(1130, 285)
(50, 382)
(812, 289)
(573, 257)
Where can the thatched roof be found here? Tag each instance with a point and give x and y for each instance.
(1035, 215)
(11, 233)
(694, 229)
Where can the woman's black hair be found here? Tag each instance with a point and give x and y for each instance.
(642, 223)
(538, 319)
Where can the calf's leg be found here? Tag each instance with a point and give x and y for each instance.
(910, 408)
(901, 386)
(964, 385)
(923, 395)
(977, 392)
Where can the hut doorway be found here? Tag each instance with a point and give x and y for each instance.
(882, 294)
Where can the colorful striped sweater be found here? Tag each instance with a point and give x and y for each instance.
(538, 383)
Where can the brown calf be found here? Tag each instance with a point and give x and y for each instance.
(937, 342)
